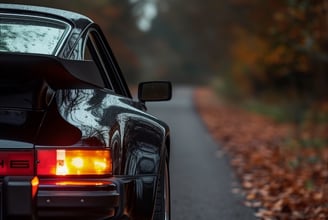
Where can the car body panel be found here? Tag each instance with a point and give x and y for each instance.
(62, 101)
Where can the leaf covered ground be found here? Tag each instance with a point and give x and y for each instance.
(279, 179)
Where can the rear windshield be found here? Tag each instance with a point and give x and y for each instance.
(31, 35)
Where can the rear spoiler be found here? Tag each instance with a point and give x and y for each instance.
(58, 73)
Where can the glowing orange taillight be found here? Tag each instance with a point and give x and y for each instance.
(65, 162)
(34, 183)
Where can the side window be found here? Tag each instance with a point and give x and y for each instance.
(95, 48)
(93, 51)
(87, 54)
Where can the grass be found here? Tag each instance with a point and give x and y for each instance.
(308, 115)
(278, 112)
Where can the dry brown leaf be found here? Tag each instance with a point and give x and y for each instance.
(288, 182)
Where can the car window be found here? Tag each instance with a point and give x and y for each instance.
(93, 47)
(97, 44)
(31, 35)
(95, 52)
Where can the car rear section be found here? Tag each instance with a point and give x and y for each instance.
(41, 174)
(56, 164)
(48, 180)
(49, 170)
(72, 146)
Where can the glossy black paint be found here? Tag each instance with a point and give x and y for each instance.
(49, 102)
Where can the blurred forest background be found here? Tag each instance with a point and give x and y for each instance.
(266, 56)
(270, 54)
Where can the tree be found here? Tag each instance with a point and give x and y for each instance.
(285, 51)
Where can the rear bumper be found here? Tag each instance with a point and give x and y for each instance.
(30, 198)
(97, 199)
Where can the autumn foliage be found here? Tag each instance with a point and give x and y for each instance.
(280, 179)
(283, 47)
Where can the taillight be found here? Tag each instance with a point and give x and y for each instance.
(66, 162)
(16, 163)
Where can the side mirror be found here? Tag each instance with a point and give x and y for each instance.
(155, 91)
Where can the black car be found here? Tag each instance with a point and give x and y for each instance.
(74, 144)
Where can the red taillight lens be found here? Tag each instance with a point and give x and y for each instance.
(16, 163)
(63, 162)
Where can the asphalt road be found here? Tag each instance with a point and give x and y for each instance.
(201, 181)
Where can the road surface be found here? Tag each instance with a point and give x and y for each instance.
(201, 181)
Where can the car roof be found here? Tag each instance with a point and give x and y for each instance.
(77, 20)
